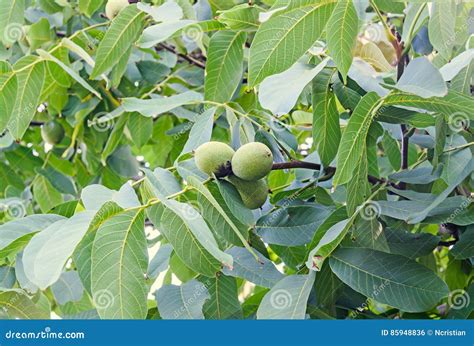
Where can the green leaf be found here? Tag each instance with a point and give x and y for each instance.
(201, 131)
(31, 74)
(89, 7)
(326, 128)
(68, 288)
(61, 182)
(115, 138)
(242, 17)
(389, 279)
(163, 182)
(292, 256)
(47, 56)
(454, 160)
(449, 105)
(160, 261)
(456, 65)
(353, 142)
(328, 243)
(223, 302)
(120, 68)
(463, 81)
(12, 14)
(157, 106)
(358, 188)
(262, 272)
(17, 304)
(48, 251)
(217, 216)
(192, 239)
(169, 11)
(341, 31)
(17, 233)
(140, 128)
(464, 248)
(420, 216)
(45, 194)
(411, 245)
(119, 262)
(8, 90)
(274, 93)
(7, 277)
(153, 72)
(95, 196)
(158, 33)
(39, 33)
(442, 27)
(234, 203)
(287, 299)
(224, 67)
(285, 37)
(369, 233)
(123, 32)
(423, 79)
(83, 252)
(291, 226)
(183, 302)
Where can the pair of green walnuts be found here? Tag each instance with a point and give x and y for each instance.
(245, 168)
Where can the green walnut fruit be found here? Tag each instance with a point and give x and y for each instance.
(213, 158)
(253, 193)
(113, 7)
(252, 161)
(52, 132)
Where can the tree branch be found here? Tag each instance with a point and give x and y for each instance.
(188, 58)
(328, 170)
(403, 60)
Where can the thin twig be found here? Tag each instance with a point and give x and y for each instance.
(188, 58)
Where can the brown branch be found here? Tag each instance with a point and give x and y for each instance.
(328, 170)
(403, 60)
(188, 58)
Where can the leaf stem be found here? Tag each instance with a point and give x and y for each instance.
(411, 31)
(390, 36)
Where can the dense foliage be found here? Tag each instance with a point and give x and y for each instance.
(132, 186)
